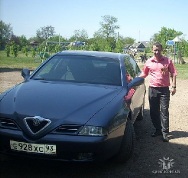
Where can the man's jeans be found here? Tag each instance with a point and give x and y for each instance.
(159, 98)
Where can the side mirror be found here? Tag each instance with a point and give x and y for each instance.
(25, 73)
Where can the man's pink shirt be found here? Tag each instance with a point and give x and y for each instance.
(159, 71)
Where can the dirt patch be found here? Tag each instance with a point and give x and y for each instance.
(147, 161)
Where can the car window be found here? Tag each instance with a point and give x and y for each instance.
(132, 69)
(85, 69)
(135, 66)
(129, 67)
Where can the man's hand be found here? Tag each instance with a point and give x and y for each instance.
(173, 91)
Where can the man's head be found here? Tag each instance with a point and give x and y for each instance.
(157, 50)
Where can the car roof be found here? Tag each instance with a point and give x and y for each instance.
(112, 55)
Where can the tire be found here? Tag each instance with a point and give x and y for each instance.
(127, 145)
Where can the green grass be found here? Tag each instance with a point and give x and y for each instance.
(22, 61)
(182, 70)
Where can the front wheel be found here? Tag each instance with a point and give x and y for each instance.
(127, 145)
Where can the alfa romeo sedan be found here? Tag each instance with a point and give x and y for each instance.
(76, 106)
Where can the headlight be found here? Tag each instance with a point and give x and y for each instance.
(93, 131)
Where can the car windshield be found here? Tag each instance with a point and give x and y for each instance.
(82, 69)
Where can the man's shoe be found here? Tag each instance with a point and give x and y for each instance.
(165, 138)
(156, 133)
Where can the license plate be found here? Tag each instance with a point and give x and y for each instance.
(33, 148)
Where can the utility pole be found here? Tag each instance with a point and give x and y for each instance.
(59, 39)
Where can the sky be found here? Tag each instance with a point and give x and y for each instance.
(138, 19)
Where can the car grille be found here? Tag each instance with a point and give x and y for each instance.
(68, 129)
(7, 124)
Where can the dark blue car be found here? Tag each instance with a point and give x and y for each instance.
(76, 106)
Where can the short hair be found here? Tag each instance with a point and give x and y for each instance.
(158, 45)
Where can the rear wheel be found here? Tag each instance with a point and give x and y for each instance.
(127, 145)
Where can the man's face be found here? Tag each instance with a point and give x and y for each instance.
(157, 51)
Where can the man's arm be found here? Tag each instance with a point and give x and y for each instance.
(173, 90)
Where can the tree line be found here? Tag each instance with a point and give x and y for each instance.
(107, 38)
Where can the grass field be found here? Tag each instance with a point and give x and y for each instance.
(23, 61)
(19, 62)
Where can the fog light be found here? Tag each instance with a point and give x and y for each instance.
(85, 156)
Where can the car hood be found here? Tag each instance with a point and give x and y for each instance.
(65, 103)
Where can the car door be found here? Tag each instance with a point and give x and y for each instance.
(136, 94)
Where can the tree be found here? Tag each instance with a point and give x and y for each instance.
(45, 32)
(120, 44)
(184, 47)
(57, 38)
(14, 48)
(15, 44)
(101, 44)
(93, 45)
(79, 35)
(106, 36)
(33, 50)
(123, 42)
(108, 27)
(7, 49)
(164, 35)
(23, 41)
(5, 34)
(25, 50)
(128, 41)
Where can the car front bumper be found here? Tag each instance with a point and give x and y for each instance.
(68, 147)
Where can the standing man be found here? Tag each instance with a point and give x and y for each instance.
(160, 69)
